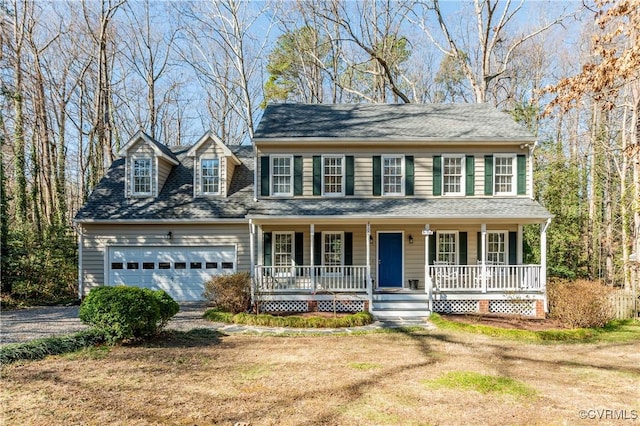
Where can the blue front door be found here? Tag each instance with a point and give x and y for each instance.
(390, 259)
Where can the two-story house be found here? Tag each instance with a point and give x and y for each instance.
(400, 209)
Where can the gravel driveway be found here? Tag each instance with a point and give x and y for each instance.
(33, 323)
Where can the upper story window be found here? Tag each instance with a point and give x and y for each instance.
(332, 175)
(453, 175)
(141, 176)
(210, 171)
(504, 174)
(281, 175)
(447, 247)
(392, 175)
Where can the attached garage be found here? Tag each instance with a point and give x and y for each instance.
(180, 271)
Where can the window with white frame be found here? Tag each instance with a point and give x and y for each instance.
(332, 175)
(332, 252)
(504, 174)
(283, 252)
(210, 175)
(392, 175)
(496, 247)
(281, 173)
(447, 247)
(141, 176)
(453, 175)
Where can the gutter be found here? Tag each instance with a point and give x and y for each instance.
(161, 221)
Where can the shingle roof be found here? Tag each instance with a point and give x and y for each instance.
(422, 208)
(397, 121)
(175, 201)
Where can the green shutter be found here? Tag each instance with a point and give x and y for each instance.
(432, 248)
(437, 175)
(317, 175)
(479, 247)
(264, 176)
(348, 248)
(471, 174)
(463, 248)
(317, 248)
(299, 249)
(377, 175)
(488, 175)
(349, 169)
(409, 172)
(513, 248)
(297, 175)
(522, 174)
(266, 252)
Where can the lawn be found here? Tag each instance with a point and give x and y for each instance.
(420, 377)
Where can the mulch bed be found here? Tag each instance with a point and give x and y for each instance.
(506, 321)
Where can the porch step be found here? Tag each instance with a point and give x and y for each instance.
(400, 305)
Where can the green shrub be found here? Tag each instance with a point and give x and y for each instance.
(230, 293)
(127, 312)
(579, 304)
(40, 348)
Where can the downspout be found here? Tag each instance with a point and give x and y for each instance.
(368, 255)
(255, 172)
(252, 261)
(80, 274)
(428, 284)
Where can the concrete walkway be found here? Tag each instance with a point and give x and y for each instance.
(32, 323)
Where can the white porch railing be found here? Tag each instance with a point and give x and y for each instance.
(311, 278)
(496, 278)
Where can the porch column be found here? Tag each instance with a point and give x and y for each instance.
(252, 261)
(520, 243)
(428, 285)
(312, 233)
(367, 244)
(483, 236)
(543, 260)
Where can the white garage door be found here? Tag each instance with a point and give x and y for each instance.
(180, 271)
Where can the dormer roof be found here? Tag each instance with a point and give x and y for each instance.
(161, 150)
(210, 136)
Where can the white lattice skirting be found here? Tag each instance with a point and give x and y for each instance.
(514, 307)
(455, 306)
(284, 306)
(341, 305)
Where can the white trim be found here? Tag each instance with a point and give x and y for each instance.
(342, 168)
(141, 157)
(403, 175)
(271, 176)
(200, 173)
(514, 174)
(457, 243)
(140, 135)
(292, 253)
(342, 240)
(463, 175)
(506, 244)
(209, 135)
(211, 220)
(457, 140)
(401, 232)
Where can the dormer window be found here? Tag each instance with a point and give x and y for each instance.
(141, 176)
(210, 169)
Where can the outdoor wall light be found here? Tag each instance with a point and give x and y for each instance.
(370, 239)
(410, 239)
(169, 235)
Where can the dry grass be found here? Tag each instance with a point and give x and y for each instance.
(200, 378)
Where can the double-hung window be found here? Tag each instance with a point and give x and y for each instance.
(453, 174)
(333, 175)
(210, 175)
(392, 175)
(283, 253)
(141, 176)
(281, 175)
(496, 247)
(448, 247)
(332, 252)
(504, 181)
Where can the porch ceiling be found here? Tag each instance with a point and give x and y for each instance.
(400, 210)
